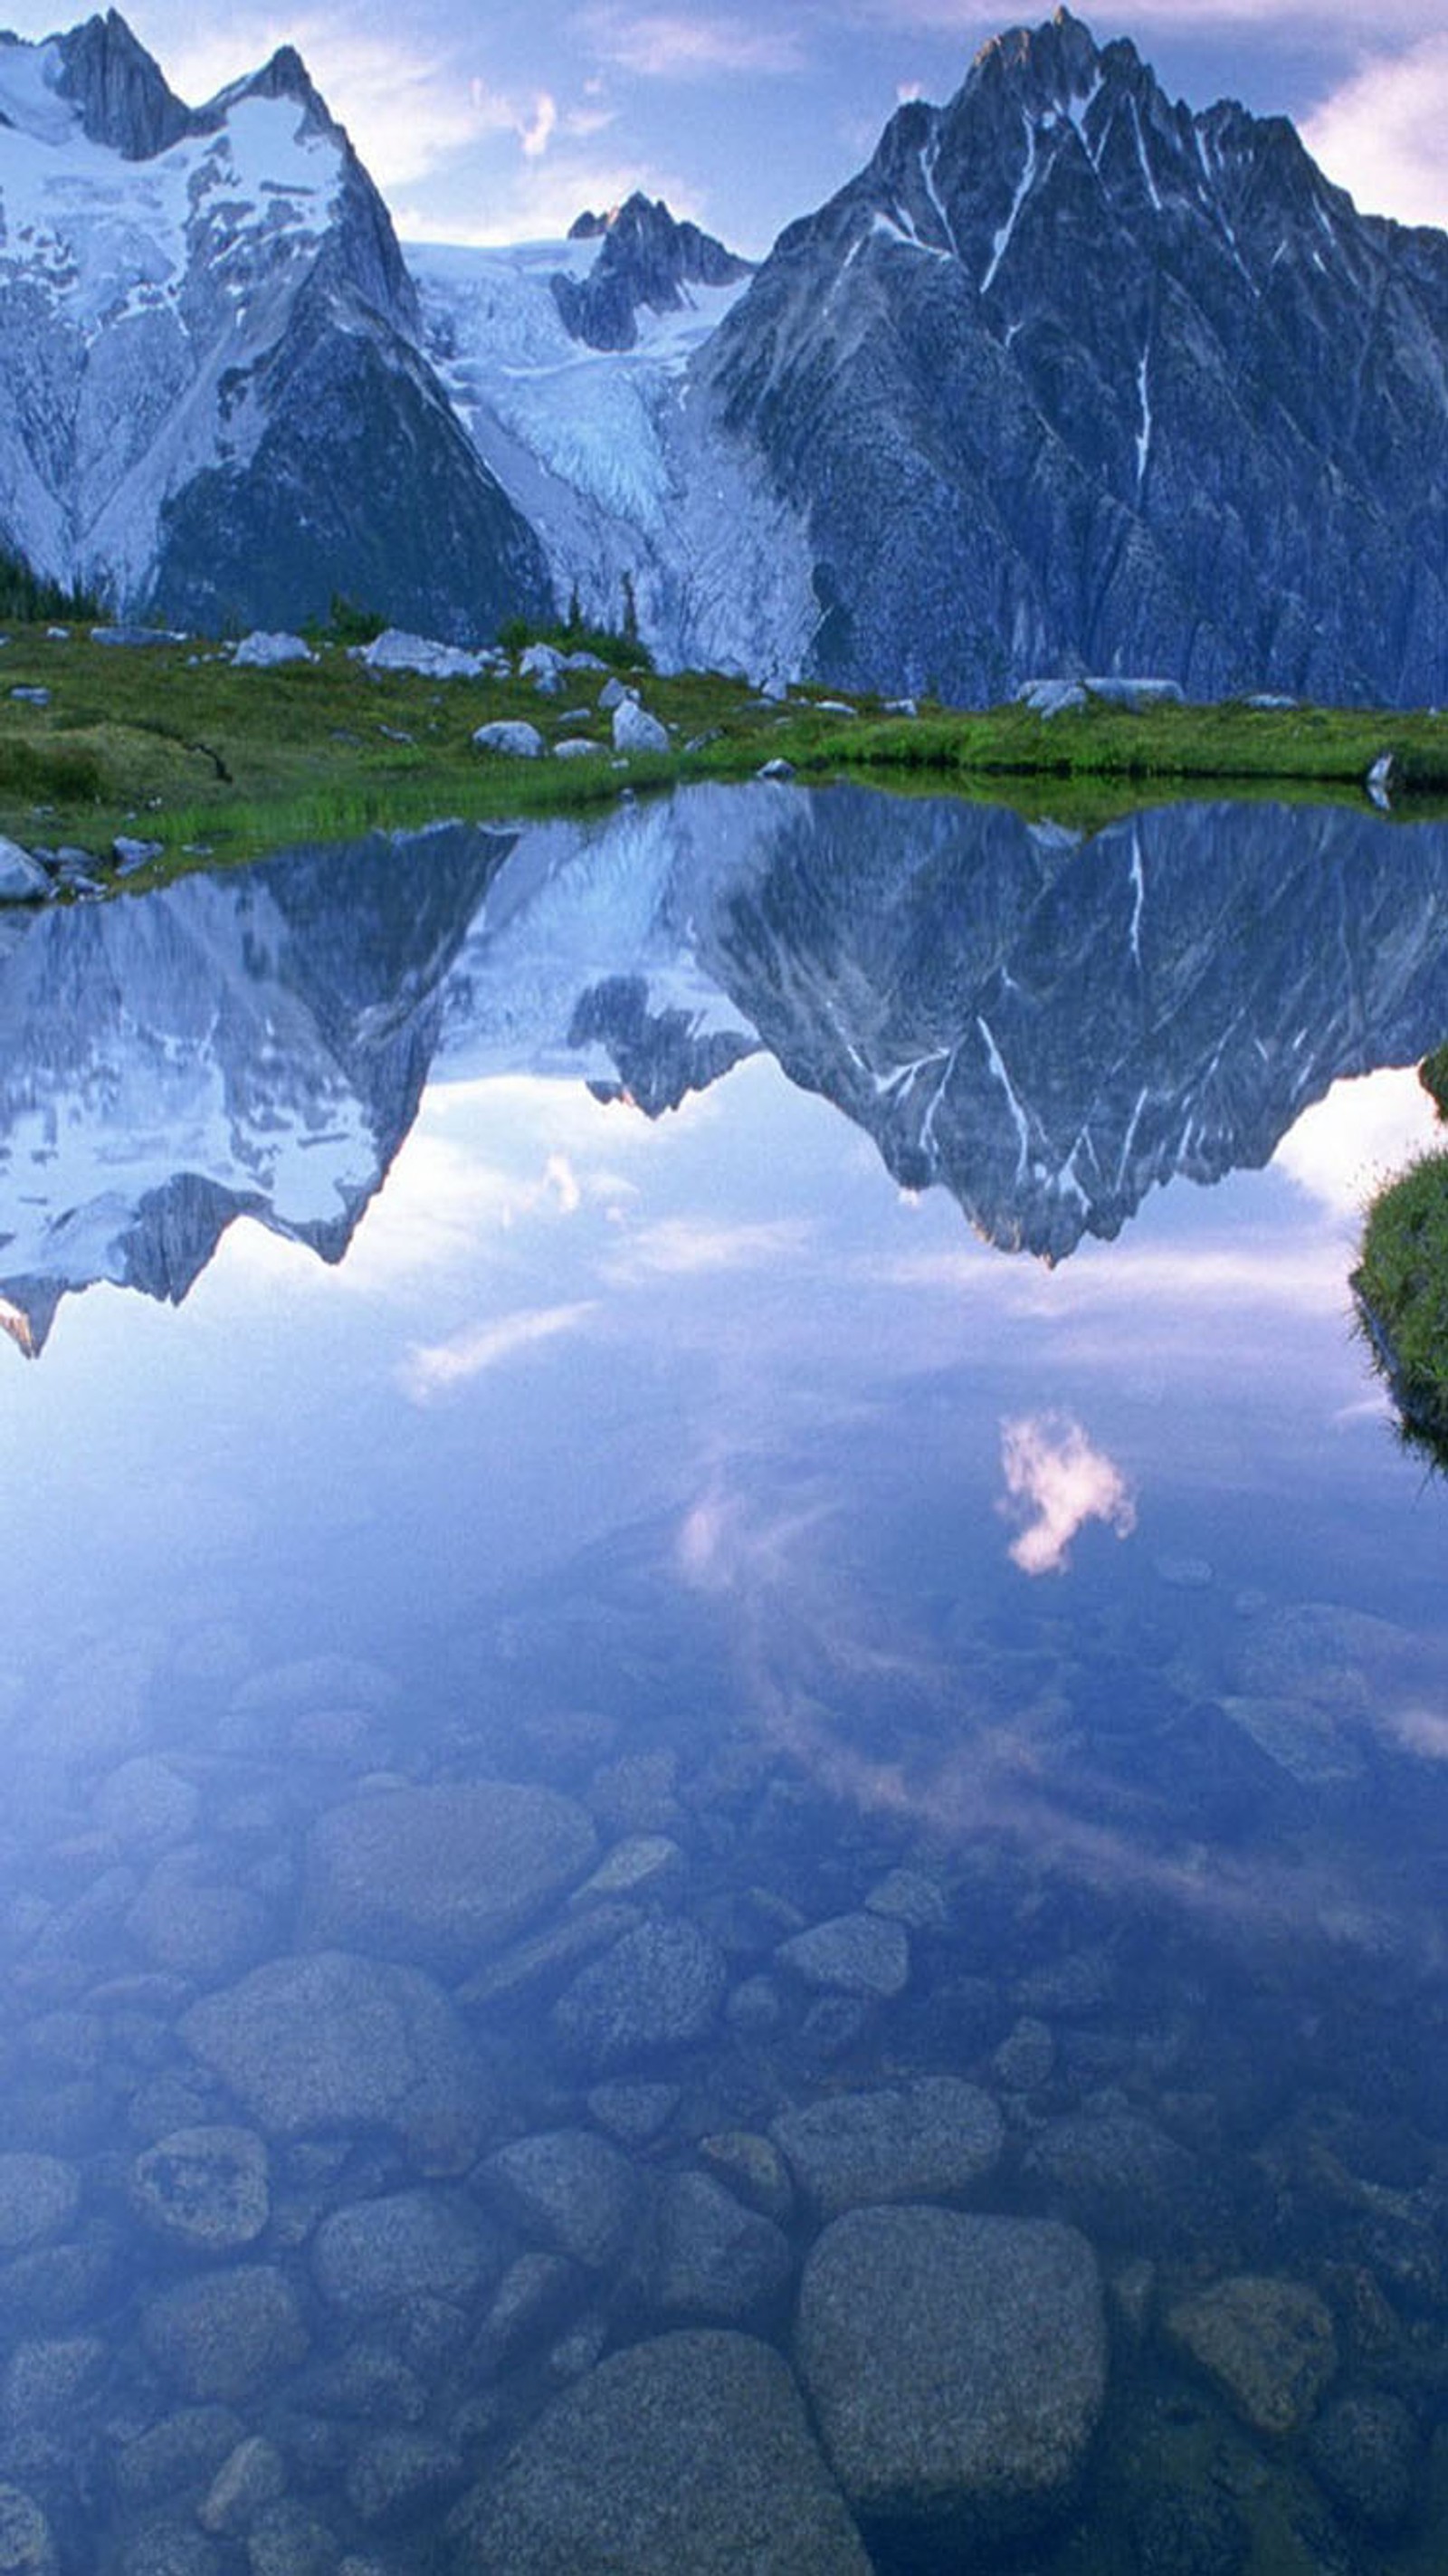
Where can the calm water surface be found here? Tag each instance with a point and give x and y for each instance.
(725, 1706)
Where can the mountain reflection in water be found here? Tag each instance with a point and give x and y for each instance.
(1045, 1026)
(674, 1744)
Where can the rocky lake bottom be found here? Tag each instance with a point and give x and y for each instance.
(695, 1874)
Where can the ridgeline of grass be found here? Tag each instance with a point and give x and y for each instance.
(172, 744)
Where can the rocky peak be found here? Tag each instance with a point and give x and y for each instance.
(647, 259)
(121, 93)
(284, 76)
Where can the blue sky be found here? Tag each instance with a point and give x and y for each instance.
(500, 121)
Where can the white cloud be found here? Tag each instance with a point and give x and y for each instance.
(690, 1247)
(1054, 1475)
(431, 1368)
(1357, 1136)
(1381, 134)
(667, 45)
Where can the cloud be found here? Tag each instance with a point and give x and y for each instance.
(1053, 1473)
(665, 45)
(431, 1368)
(689, 1247)
(1381, 134)
(1363, 1130)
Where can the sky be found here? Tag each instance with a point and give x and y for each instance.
(500, 120)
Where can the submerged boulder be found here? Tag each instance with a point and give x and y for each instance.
(689, 2452)
(957, 2368)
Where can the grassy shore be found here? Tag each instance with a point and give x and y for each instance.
(1401, 1285)
(170, 743)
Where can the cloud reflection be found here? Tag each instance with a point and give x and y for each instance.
(430, 1369)
(1053, 1473)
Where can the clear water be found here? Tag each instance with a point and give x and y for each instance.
(613, 1349)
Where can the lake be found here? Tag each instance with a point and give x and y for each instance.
(726, 1705)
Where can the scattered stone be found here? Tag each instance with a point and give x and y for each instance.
(1381, 781)
(1268, 2344)
(754, 2168)
(249, 2478)
(225, 2335)
(328, 2042)
(635, 2114)
(439, 1875)
(512, 737)
(260, 651)
(400, 2473)
(934, 2138)
(658, 1988)
(190, 1919)
(1026, 2057)
(779, 769)
(957, 2367)
(22, 878)
(395, 650)
(534, 1969)
(644, 1865)
(688, 2452)
(718, 2263)
(1120, 2177)
(146, 1801)
(206, 2188)
(907, 1896)
(1052, 697)
(1364, 2450)
(755, 2008)
(136, 637)
(534, 2296)
(128, 853)
(613, 694)
(1190, 2531)
(855, 1954)
(373, 2255)
(286, 2540)
(32, 697)
(634, 729)
(27, 2546)
(39, 2198)
(181, 2452)
(42, 2385)
(576, 746)
(568, 2187)
(1136, 694)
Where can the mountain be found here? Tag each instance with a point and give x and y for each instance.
(213, 402)
(1071, 377)
(645, 259)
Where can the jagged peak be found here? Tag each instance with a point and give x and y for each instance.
(119, 90)
(283, 75)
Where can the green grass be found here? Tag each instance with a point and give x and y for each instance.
(1401, 1286)
(172, 744)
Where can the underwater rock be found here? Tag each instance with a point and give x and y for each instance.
(437, 1876)
(658, 1988)
(692, 2451)
(205, 2187)
(957, 2367)
(934, 2138)
(1268, 2345)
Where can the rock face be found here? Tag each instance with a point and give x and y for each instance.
(645, 258)
(213, 404)
(688, 2452)
(956, 2365)
(1071, 378)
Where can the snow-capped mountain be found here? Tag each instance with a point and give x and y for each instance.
(213, 404)
(1071, 376)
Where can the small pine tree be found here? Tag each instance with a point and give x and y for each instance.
(630, 611)
(575, 612)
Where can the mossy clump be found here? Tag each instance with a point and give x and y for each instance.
(1401, 1287)
(1433, 1075)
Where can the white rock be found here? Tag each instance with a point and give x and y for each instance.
(517, 740)
(396, 650)
(262, 652)
(634, 729)
(576, 747)
(22, 879)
